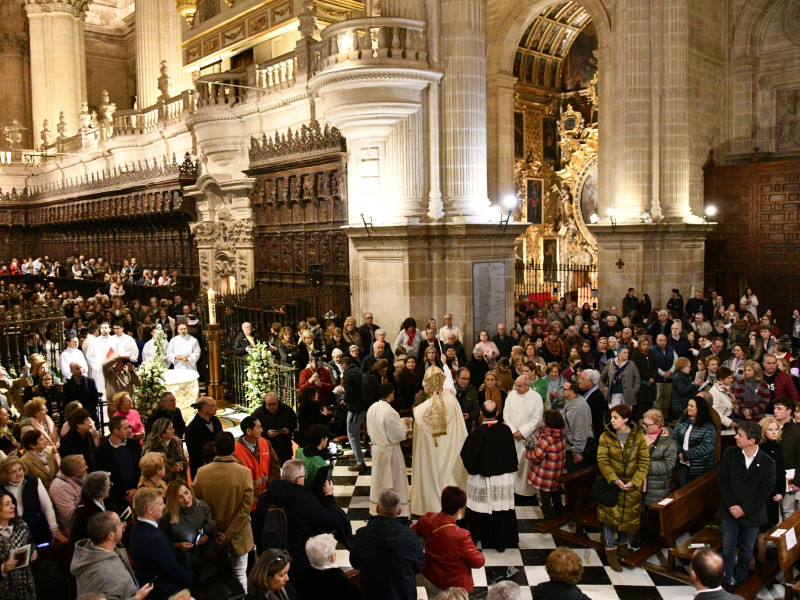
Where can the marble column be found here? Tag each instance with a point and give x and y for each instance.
(158, 37)
(500, 104)
(58, 65)
(406, 168)
(14, 65)
(463, 109)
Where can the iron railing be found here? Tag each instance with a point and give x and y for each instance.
(234, 375)
(25, 332)
(550, 281)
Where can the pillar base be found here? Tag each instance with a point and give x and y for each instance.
(425, 271)
(652, 258)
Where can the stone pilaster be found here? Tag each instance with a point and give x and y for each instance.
(158, 37)
(404, 9)
(405, 172)
(15, 67)
(58, 59)
(500, 138)
(463, 108)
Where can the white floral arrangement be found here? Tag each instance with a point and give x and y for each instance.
(260, 375)
(151, 373)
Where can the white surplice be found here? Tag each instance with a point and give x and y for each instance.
(125, 344)
(69, 356)
(387, 429)
(524, 414)
(184, 345)
(98, 352)
(436, 461)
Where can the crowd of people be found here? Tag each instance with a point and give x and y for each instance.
(654, 398)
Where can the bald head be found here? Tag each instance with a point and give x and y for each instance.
(522, 384)
(489, 409)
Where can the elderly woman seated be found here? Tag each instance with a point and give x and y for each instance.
(565, 570)
(324, 579)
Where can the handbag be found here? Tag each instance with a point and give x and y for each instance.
(606, 493)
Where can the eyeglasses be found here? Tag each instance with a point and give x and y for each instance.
(283, 557)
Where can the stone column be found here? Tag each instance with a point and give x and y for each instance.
(674, 167)
(406, 169)
(463, 109)
(500, 105)
(406, 9)
(14, 65)
(58, 65)
(158, 37)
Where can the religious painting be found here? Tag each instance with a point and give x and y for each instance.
(517, 64)
(788, 119)
(519, 134)
(550, 140)
(550, 259)
(588, 195)
(529, 68)
(580, 65)
(534, 200)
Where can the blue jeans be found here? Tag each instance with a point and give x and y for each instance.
(608, 537)
(354, 421)
(734, 535)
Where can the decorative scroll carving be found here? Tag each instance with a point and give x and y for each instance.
(311, 139)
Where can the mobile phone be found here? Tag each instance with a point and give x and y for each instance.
(795, 371)
(126, 514)
(153, 580)
(199, 535)
(330, 471)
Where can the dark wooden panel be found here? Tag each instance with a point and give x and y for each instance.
(757, 241)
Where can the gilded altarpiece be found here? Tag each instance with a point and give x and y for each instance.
(299, 205)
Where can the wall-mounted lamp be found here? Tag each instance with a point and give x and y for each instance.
(509, 203)
(611, 217)
(594, 218)
(646, 217)
(367, 224)
(708, 216)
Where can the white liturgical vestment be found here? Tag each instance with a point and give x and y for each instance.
(387, 429)
(183, 345)
(523, 413)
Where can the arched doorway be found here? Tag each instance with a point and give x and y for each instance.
(555, 149)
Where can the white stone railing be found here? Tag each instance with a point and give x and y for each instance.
(146, 120)
(276, 75)
(372, 41)
(221, 89)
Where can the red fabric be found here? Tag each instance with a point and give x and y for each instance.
(758, 409)
(326, 383)
(548, 459)
(450, 553)
(411, 335)
(258, 467)
(784, 386)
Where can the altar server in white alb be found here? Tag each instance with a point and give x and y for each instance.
(439, 434)
(387, 430)
(183, 350)
(523, 413)
(101, 349)
(70, 355)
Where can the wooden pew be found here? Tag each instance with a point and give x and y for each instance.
(584, 510)
(687, 507)
(787, 557)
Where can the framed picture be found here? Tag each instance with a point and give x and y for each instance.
(533, 195)
(519, 134)
(550, 259)
(550, 140)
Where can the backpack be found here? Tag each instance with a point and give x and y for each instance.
(275, 532)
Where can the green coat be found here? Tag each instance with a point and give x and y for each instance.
(611, 458)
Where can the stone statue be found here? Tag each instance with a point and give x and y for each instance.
(164, 82)
(62, 125)
(46, 136)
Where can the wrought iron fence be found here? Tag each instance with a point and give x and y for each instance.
(234, 373)
(550, 281)
(29, 331)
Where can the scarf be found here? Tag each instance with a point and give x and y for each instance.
(618, 372)
(411, 335)
(494, 395)
(555, 347)
(751, 390)
(652, 437)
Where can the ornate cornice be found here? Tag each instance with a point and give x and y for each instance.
(309, 140)
(76, 8)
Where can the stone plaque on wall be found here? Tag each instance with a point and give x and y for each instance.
(488, 297)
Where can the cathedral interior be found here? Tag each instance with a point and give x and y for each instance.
(416, 157)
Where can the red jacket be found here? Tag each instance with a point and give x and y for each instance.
(324, 388)
(547, 459)
(267, 465)
(450, 553)
(784, 386)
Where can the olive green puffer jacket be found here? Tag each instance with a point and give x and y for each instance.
(635, 458)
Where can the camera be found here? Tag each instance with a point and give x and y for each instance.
(334, 450)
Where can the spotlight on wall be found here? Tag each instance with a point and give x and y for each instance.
(367, 224)
(708, 215)
(611, 213)
(594, 218)
(646, 217)
(509, 203)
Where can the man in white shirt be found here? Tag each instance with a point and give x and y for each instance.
(523, 413)
(149, 350)
(450, 328)
(70, 355)
(125, 344)
(101, 349)
(183, 351)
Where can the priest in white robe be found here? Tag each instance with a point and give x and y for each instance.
(149, 350)
(183, 350)
(439, 434)
(125, 344)
(70, 355)
(523, 412)
(101, 349)
(387, 430)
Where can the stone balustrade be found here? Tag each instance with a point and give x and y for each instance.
(276, 75)
(372, 41)
(221, 89)
(162, 113)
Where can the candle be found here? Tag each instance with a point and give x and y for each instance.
(212, 312)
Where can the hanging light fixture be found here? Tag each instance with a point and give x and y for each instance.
(187, 9)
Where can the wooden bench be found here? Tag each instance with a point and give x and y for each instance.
(787, 557)
(584, 509)
(686, 508)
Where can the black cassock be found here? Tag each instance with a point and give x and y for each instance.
(488, 452)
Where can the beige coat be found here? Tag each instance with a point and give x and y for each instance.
(44, 472)
(227, 487)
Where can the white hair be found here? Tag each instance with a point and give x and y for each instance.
(292, 470)
(336, 352)
(591, 375)
(320, 549)
(504, 590)
(379, 331)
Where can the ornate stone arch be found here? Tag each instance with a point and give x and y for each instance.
(749, 24)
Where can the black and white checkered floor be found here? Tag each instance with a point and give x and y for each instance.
(525, 565)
